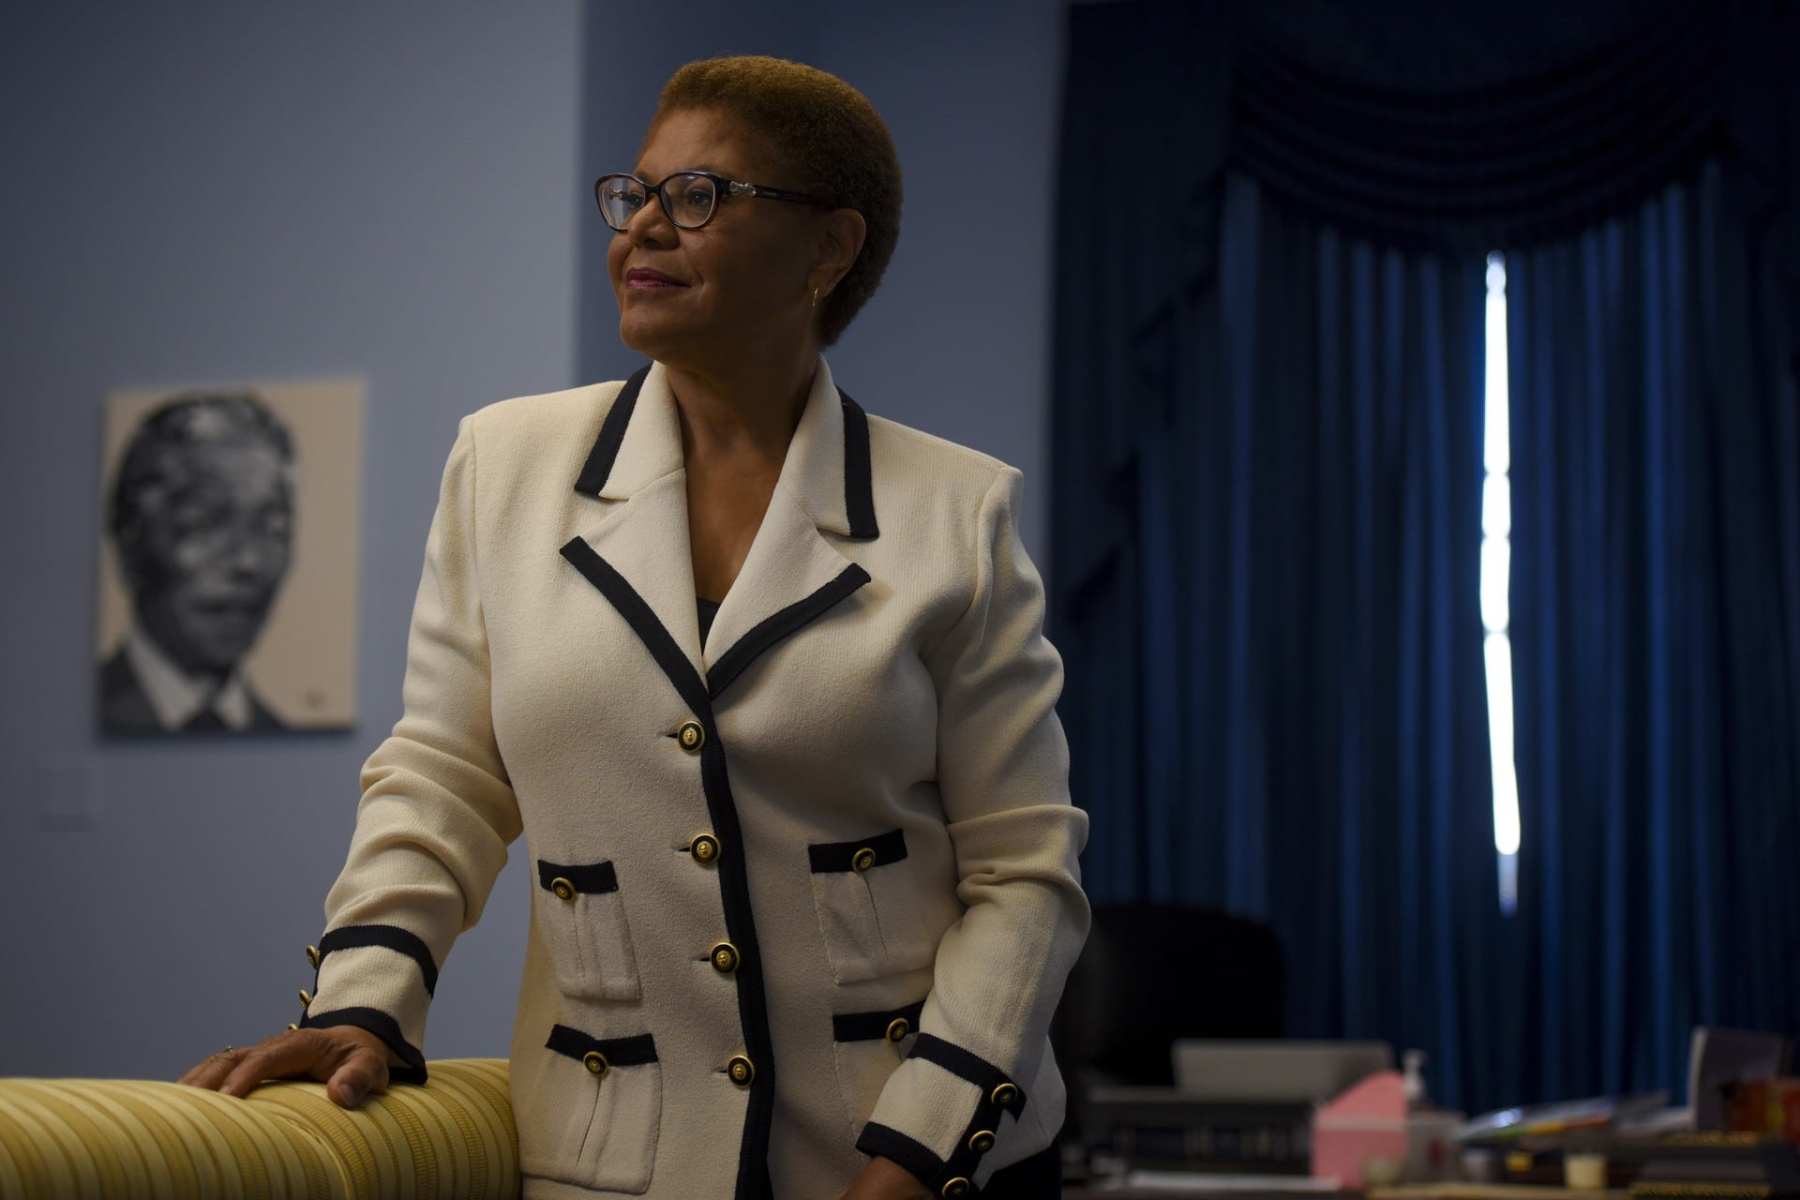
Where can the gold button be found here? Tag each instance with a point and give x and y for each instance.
(291, 1025)
(957, 1187)
(898, 1029)
(563, 888)
(981, 1141)
(312, 956)
(724, 958)
(864, 859)
(704, 848)
(595, 1062)
(1005, 1094)
(305, 998)
(741, 1070)
(691, 735)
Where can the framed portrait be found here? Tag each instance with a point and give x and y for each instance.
(230, 526)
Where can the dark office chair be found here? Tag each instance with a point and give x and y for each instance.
(1153, 973)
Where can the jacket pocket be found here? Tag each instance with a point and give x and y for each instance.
(594, 1111)
(582, 919)
(866, 1047)
(868, 907)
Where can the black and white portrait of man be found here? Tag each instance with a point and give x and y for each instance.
(201, 515)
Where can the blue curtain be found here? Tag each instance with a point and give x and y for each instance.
(1294, 724)
(1656, 633)
(1273, 222)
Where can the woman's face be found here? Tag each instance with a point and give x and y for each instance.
(745, 276)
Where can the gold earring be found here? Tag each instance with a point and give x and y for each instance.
(815, 296)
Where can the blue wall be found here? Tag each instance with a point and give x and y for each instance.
(219, 191)
(209, 192)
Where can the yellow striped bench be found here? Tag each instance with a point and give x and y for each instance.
(68, 1139)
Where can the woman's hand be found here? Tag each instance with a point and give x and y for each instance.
(885, 1179)
(351, 1062)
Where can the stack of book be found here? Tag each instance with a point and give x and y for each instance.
(1720, 1166)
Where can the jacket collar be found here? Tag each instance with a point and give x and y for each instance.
(827, 467)
(825, 487)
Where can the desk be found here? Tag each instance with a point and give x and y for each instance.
(1075, 1192)
(1419, 1191)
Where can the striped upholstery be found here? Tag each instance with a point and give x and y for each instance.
(66, 1138)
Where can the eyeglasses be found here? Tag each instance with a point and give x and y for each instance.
(690, 198)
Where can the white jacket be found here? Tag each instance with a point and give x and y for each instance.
(802, 894)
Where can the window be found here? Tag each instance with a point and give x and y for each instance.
(1496, 571)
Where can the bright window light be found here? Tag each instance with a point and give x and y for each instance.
(1497, 444)
(1496, 507)
(1496, 567)
(1496, 579)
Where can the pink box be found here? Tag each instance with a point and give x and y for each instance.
(1366, 1137)
(1377, 1151)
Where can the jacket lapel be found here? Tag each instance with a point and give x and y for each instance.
(640, 529)
(794, 571)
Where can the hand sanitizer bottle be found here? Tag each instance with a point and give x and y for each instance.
(1413, 1085)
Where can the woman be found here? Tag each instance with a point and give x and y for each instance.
(762, 680)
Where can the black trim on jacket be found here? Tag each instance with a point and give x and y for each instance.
(392, 937)
(382, 1026)
(773, 628)
(591, 880)
(972, 1067)
(619, 1052)
(753, 1181)
(831, 857)
(733, 872)
(964, 1158)
(859, 484)
(873, 1026)
(612, 434)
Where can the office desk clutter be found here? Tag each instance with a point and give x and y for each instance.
(1732, 1139)
(1301, 1116)
(1181, 1083)
(1765, 1106)
(1384, 1131)
(1237, 1106)
(1601, 1141)
(1269, 1118)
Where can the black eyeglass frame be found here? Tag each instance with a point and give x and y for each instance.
(723, 189)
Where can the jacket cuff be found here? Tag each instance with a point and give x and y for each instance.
(376, 977)
(943, 1116)
(382, 1026)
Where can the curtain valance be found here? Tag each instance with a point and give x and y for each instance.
(1496, 164)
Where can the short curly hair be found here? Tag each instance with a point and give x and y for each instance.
(827, 135)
